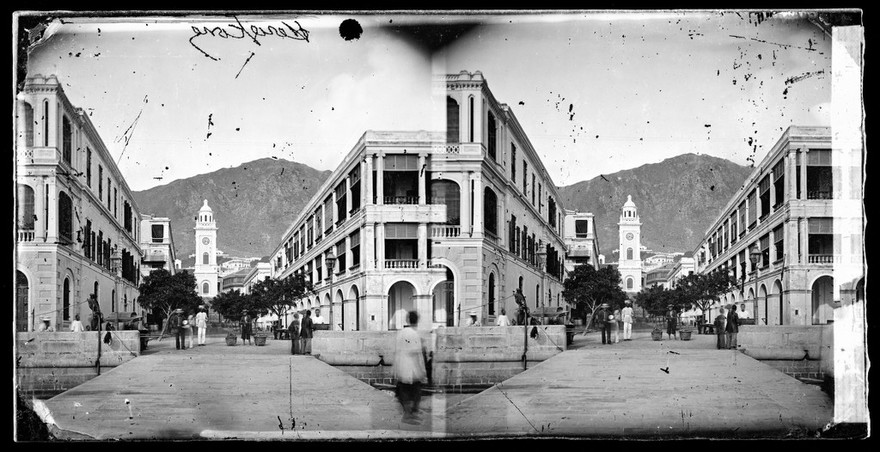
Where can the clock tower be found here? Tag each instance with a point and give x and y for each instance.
(630, 260)
(206, 252)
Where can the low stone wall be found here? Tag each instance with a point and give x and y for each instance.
(51, 363)
(463, 356)
(802, 351)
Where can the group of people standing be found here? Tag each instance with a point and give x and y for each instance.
(611, 323)
(184, 326)
(727, 327)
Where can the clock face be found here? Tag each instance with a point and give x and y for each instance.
(629, 236)
(206, 240)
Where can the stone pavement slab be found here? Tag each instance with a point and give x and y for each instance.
(623, 390)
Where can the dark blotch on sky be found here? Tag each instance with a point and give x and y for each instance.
(350, 29)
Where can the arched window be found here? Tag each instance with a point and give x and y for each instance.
(21, 300)
(205, 259)
(537, 294)
(520, 283)
(65, 217)
(65, 304)
(28, 124)
(113, 301)
(206, 287)
(25, 207)
(448, 193)
(629, 253)
(629, 283)
(452, 121)
(491, 301)
(66, 140)
(490, 211)
(471, 119)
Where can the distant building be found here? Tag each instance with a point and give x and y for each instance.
(234, 281)
(800, 215)
(235, 264)
(206, 270)
(581, 241)
(630, 261)
(77, 221)
(659, 276)
(255, 274)
(683, 267)
(157, 245)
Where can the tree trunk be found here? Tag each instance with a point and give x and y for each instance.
(165, 325)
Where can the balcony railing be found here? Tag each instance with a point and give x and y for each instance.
(823, 258)
(443, 231)
(400, 199)
(26, 236)
(434, 264)
(401, 263)
(819, 194)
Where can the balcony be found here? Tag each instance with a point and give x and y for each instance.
(400, 199)
(401, 263)
(819, 194)
(823, 259)
(443, 231)
(26, 235)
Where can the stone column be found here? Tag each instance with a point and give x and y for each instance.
(423, 245)
(422, 171)
(367, 177)
(380, 175)
(465, 205)
(804, 153)
(380, 245)
(802, 227)
(478, 205)
(50, 211)
(368, 249)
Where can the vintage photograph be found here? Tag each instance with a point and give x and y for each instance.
(439, 225)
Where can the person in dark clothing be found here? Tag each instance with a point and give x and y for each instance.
(305, 332)
(602, 321)
(732, 327)
(719, 329)
(671, 321)
(175, 326)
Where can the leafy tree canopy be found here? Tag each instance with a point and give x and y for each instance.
(585, 288)
(162, 291)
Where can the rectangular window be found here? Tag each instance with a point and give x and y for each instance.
(491, 137)
(109, 186)
(310, 238)
(328, 215)
(724, 237)
(540, 204)
(355, 177)
(100, 183)
(742, 218)
(513, 162)
(115, 199)
(340, 257)
(87, 243)
(797, 175)
(779, 182)
(341, 203)
(318, 229)
(765, 251)
(551, 212)
(819, 175)
(764, 190)
(517, 237)
(533, 189)
(296, 245)
(158, 233)
(525, 178)
(318, 273)
(581, 228)
(753, 207)
(733, 236)
(355, 248)
(88, 167)
(511, 234)
(778, 242)
(67, 137)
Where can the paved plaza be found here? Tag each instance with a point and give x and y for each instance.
(592, 390)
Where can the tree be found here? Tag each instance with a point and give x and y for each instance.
(160, 290)
(701, 290)
(656, 299)
(231, 304)
(278, 295)
(585, 288)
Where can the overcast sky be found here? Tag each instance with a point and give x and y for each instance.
(643, 87)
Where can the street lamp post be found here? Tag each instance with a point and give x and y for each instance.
(330, 261)
(755, 257)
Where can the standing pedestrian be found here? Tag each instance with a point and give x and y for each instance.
(601, 319)
(671, 321)
(246, 328)
(615, 325)
(293, 332)
(305, 333)
(76, 326)
(188, 331)
(502, 319)
(720, 319)
(175, 325)
(202, 324)
(627, 314)
(410, 356)
(318, 320)
(732, 327)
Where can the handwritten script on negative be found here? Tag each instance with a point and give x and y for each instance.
(253, 32)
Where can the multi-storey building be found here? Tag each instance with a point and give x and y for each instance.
(581, 241)
(236, 264)
(255, 274)
(157, 245)
(630, 261)
(658, 276)
(446, 224)
(681, 268)
(206, 270)
(234, 281)
(77, 228)
(799, 216)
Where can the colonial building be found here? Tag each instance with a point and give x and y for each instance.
(630, 260)
(77, 222)
(157, 245)
(659, 276)
(206, 270)
(446, 224)
(794, 225)
(681, 268)
(581, 241)
(255, 274)
(234, 281)
(236, 264)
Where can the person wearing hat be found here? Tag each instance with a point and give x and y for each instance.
(246, 327)
(201, 325)
(671, 321)
(720, 320)
(626, 315)
(732, 326)
(602, 319)
(175, 326)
